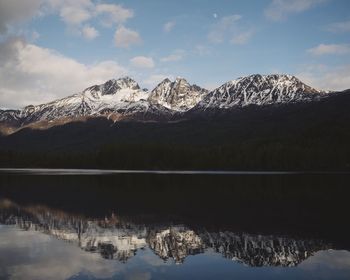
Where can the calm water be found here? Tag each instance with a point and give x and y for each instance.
(114, 225)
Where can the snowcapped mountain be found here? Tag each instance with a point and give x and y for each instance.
(115, 99)
(124, 99)
(178, 95)
(259, 90)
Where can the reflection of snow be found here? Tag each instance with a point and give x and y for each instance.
(115, 238)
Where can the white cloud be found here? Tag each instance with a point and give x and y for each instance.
(202, 50)
(74, 12)
(169, 26)
(89, 32)
(113, 13)
(242, 38)
(142, 62)
(339, 27)
(30, 74)
(125, 37)
(219, 30)
(280, 9)
(16, 11)
(325, 77)
(230, 27)
(175, 56)
(324, 49)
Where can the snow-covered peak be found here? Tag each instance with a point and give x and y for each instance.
(259, 90)
(178, 95)
(114, 86)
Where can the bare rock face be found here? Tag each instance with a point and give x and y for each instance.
(178, 95)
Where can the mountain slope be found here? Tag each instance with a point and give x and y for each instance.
(178, 95)
(294, 136)
(123, 99)
(259, 90)
(115, 98)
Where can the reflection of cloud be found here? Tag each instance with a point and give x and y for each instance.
(153, 260)
(332, 259)
(32, 255)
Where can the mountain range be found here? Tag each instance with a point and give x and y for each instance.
(260, 122)
(123, 99)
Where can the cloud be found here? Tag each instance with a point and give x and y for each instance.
(113, 13)
(280, 9)
(142, 62)
(125, 37)
(17, 11)
(169, 26)
(89, 32)
(63, 260)
(202, 50)
(325, 77)
(339, 27)
(324, 49)
(30, 74)
(242, 38)
(74, 12)
(230, 27)
(219, 30)
(175, 56)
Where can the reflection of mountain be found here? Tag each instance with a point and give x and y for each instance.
(116, 238)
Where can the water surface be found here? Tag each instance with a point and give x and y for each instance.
(63, 224)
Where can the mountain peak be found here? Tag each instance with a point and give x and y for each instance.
(260, 89)
(180, 80)
(178, 95)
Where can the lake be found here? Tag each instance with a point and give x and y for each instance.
(73, 224)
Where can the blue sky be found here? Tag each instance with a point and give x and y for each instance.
(53, 48)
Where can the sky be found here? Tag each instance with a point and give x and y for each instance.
(54, 48)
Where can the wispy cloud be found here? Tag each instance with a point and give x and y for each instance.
(242, 38)
(230, 28)
(202, 49)
(281, 9)
(326, 77)
(125, 37)
(89, 32)
(113, 13)
(174, 56)
(75, 14)
(327, 49)
(167, 27)
(339, 27)
(142, 62)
